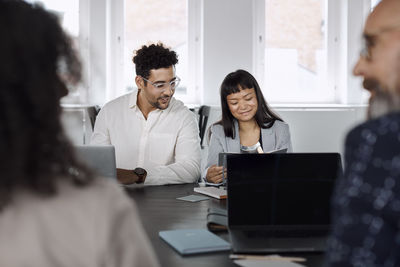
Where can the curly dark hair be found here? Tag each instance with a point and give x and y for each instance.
(35, 56)
(152, 57)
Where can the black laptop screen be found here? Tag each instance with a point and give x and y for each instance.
(281, 189)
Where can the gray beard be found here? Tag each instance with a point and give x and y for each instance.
(385, 100)
(383, 103)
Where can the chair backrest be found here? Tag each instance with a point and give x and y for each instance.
(92, 112)
(204, 113)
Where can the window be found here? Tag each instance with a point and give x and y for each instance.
(69, 14)
(152, 21)
(295, 51)
(67, 11)
(303, 52)
(306, 50)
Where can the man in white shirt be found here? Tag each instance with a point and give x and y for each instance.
(156, 137)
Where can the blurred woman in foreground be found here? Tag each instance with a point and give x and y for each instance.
(53, 212)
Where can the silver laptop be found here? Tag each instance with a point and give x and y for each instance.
(280, 202)
(101, 159)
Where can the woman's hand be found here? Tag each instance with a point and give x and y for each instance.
(214, 174)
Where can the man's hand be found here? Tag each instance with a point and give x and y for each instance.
(214, 174)
(126, 176)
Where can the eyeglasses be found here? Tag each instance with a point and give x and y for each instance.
(163, 86)
(370, 41)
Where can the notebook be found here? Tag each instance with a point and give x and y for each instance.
(193, 241)
(99, 158)
(280, 202)
(217, 219)
(212, 191)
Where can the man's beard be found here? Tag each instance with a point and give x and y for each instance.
(158, 106)
(382, 101)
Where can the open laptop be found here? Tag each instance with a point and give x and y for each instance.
(280, 202)
(222, 161)
(99, 158)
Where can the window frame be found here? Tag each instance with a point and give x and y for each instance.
(345, 20)
(99, 36)
(115, 52)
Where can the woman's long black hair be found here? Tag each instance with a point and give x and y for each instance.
(36, 57)
(232, 83)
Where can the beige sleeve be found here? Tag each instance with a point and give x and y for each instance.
(128, 244)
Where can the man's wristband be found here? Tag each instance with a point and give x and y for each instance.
(141, 174)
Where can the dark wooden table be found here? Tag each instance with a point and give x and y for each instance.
(160, 210)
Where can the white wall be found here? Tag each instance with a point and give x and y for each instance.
(101, 49)
(77, 125)
(227, 43)
(97, 74)
(321, 129)
(315, 129)
(346, 38)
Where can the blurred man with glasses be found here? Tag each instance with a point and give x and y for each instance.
(366, 205)
(156, 137)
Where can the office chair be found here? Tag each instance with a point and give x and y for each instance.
(92, 112)
(204, 113)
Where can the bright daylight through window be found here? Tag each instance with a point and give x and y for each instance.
(296, 51)
(67, 11)
(68, 14)
(152, 21)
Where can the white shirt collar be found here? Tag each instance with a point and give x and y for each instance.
(133, 99)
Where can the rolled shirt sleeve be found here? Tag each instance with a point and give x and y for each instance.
(166, 143)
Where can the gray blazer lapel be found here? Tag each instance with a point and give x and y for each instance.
(233, 145)
(268, 139)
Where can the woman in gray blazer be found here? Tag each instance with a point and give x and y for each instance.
(248, 125)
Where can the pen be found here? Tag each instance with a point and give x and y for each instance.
(260, 257)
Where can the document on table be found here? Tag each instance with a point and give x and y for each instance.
(193, 198)
(266, 263)
(215, 192)
(266, 260)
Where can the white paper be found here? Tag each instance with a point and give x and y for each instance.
(266, 263)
